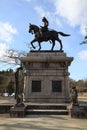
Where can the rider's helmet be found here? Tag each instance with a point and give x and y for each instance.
(44, 19)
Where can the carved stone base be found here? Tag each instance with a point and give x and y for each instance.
(17, 111)
(77, 112)
(46, 76)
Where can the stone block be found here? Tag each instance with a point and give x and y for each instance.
(46, 67)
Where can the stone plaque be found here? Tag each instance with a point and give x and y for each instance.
(56, 86)
(36, 86)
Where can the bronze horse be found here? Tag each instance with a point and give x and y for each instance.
(50, 35)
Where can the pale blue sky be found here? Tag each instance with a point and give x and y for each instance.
(68, 16)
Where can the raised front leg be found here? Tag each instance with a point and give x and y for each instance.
(32, 43)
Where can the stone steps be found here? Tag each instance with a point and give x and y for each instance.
(5, 108)
(47, 112)
(46, 109)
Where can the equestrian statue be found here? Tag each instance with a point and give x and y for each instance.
(42, 34)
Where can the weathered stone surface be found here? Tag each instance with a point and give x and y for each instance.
(46, 66)
(78, 112)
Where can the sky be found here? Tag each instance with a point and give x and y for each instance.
(68, 16)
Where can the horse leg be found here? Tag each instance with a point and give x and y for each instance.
(61, 46)
(39, 46)
(32, 43)
(53, 42)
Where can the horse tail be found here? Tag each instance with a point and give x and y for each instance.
(63, 34)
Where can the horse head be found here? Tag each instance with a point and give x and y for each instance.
(30, 28)
(33, 28)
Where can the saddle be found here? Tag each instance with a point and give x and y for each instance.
(43, 31)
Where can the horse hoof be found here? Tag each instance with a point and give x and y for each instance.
(51, 50)
(60, 50)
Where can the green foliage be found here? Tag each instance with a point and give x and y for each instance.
(10, 87)
(5, 79)
(86, 37)
(81, 85)
(72, 83)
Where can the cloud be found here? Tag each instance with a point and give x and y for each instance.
(5, 55)
(6, 32)
(40, 11)
(6, 38)
(50, 15)
(83, 55)
(74, 11)
(3, 49)
(83, 29)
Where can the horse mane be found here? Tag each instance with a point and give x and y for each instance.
(34, 25)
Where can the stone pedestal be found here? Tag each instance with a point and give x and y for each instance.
(46, 76)
(77, 112)
(17, 111)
